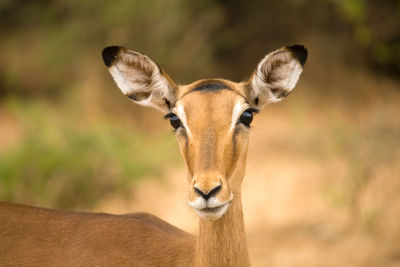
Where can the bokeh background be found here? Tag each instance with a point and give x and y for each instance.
(323, 177)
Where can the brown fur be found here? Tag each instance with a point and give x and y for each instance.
(32, 236)
(213, 143)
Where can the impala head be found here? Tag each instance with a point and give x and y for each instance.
(211, 118)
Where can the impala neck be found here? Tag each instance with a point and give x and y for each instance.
(223, 242)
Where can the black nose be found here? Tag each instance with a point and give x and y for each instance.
(207, 195)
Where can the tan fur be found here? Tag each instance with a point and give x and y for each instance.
(32, 236)
(213, 143)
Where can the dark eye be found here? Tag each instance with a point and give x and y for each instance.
(247, 117)
(175, 122)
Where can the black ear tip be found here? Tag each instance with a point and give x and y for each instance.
(110, 54)
(300, 52)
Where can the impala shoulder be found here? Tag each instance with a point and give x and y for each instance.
(154, 222)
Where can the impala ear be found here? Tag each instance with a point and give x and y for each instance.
(276, 75)
(140, 78)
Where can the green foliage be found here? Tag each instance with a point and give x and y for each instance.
(64, 165)
(376, 27)
(48, 41)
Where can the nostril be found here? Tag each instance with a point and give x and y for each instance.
(214, 191)
(210, 193)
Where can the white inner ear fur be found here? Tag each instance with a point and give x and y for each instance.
(285, 75)
(296, 70)
(120, 80)
(136, 73)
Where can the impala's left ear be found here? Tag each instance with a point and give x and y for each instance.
(276, 75)
(140, 78)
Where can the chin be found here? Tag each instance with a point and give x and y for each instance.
(212, 213)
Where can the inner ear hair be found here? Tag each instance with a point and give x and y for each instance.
(277, 74)
(280, 93)
(140, 78)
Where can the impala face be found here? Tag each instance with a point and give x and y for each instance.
(211, 118)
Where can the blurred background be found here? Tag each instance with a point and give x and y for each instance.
(323, 178)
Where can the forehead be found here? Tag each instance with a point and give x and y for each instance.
(211, 85)
(210, 103)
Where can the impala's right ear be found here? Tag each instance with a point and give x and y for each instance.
(276, 75)
(140, 78)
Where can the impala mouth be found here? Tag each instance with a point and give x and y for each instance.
(214, 209)
(212, 213)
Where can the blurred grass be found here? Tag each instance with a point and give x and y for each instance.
(68, 164)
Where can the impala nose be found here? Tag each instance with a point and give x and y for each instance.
(207, 194)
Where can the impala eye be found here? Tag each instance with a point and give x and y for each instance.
(247, 117)
(174, 121)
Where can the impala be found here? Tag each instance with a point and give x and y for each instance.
(211, 120)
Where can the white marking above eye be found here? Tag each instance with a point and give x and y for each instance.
(182, 116)
(237, 111)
